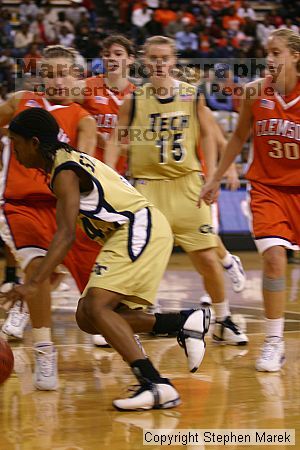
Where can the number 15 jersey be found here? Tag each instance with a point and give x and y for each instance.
(164, 133)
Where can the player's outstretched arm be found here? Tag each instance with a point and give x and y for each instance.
(231, 175)
(233, 148)
(121, 132)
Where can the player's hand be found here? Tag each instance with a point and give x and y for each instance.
(232, 179)
(209, 192)
(18, 292)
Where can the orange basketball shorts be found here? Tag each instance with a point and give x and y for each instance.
(28, 231)
(275, 216)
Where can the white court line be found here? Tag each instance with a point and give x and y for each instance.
(91, 346)
(58, 308)
(259, 309)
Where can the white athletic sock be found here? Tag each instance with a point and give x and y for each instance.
(227, 260)
(41, 335)
(222, 310)
(274, 327)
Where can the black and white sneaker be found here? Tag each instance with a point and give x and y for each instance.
(227, 332)
(150, 396)
(191, 336)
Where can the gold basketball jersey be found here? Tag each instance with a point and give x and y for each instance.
(164, 133)
(111, 203)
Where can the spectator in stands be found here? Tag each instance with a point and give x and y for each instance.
(246, 11)
(51, 14)
(264, 29)
(207, 15)
(164, 14)
(28, 8)
(141, 16)
(185, 8)
(62, 21)
(187, 41)
(175, 26)
(250, 27)
(6, 68)
(23, 38)
(65, 37)
(205, 44)
(288, 23)
(154, 28)
(230, 50)
(42, 30)
(218, 6)
(31, 59)
(6, 39)
(6, 18)
(275, 18)
(82, 40)
(91, 9)
(231, 21)
(74, 12)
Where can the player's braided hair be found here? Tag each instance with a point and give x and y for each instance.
(292, 40)
(39, 123)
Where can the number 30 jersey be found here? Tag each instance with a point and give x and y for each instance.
(112, 201)
(276, 139)
(164, 133)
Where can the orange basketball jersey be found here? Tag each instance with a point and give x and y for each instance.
(26, 184)
(276, 140)
(104, 103)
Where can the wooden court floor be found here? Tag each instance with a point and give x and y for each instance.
(226, 392)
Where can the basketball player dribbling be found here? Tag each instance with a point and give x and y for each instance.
(136, 244)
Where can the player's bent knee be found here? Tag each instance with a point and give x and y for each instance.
(81, 318)
(273, 284)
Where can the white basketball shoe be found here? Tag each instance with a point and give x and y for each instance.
(272, 356)
(16, 321)
(236, 274)
(161, 395)
(99, 340)
(45, 374)
(191, 336)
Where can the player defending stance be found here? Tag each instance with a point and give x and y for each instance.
(163, 119)
(137, 242)
(28, 215)
(274, 178)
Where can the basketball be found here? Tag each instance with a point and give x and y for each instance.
(6, 361)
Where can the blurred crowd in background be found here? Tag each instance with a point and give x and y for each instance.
(201, 28)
